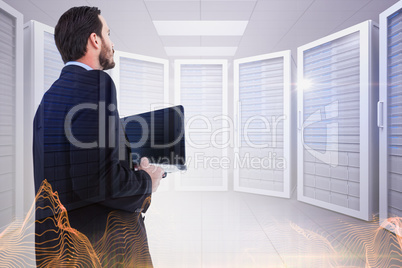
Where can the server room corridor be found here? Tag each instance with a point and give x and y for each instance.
(290, 145)
(204, 229)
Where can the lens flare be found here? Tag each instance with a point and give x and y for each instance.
(305, 84)
(372, 243)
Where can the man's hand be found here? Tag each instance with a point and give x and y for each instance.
(154, 172)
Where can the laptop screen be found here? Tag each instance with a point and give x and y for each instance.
(157, 135)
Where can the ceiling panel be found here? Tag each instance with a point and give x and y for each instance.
(265, 40)
(223, 15)
(357, 18)
(262, 26)
(32, 12)
(379, 6)
(172, 6)
(116, 5)
(202, 51)
(200, 0)
(126, 15)
(283, 5)
(227, 6)
(144, 27)
(307, 24)
(369, 12)
(175, 41)
(56, 8)
(217, 41)
(175, 15)
(323, 16)
(266, 32)
(274, 24)
(338, 5)
(208, 41)
(145, 45)
(297, 37)
(277, 16)
(253, 50)
(229, 0)
(122, 37)
(147, 1)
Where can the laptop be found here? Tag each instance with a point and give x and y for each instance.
(159, 136)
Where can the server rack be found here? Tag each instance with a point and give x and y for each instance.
(390, 117)
(263, 101)
(201, 87)
(42, 66)
(142, 83)
(11, 115)
(337, 136)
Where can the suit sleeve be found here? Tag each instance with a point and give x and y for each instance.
(126, 189)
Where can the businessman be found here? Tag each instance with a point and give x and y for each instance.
(77, 150)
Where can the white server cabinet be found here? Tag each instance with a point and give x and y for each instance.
(42, 66)
(264, 151)
(142, 83)
(390, 117)
(11, 115)
(337, 133)
(201, 87)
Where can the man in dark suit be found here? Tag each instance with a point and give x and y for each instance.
(78, 153)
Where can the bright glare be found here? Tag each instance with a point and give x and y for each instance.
(305, 84)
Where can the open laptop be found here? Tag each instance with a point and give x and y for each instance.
(159, 136)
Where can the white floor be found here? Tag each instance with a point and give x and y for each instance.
(231, 229)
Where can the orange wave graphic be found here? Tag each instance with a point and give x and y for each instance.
(68, 247)
(122, 245)
(373, 244)
(120, 224)
(17, 243)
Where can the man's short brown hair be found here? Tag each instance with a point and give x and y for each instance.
(73, 30)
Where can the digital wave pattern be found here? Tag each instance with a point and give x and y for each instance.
(118, 239)
(65, 246)
(17, 243)
(373, 244)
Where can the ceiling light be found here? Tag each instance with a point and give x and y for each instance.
(200, 51)
(203, 28)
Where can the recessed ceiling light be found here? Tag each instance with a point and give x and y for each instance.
(200, 51)
(204, 28)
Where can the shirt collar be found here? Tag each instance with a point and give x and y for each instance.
(83, 65)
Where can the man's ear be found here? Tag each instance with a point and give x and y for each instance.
(94, 40)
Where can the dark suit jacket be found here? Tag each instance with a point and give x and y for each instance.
(76, 149)
(76, 144)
